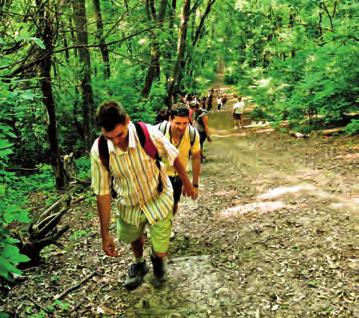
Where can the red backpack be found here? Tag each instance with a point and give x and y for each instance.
(147, 145)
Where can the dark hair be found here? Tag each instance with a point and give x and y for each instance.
(180, 110)
(110, 114)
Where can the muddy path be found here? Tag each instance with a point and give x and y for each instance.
(273, 234)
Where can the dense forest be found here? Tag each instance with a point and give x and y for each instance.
(297, 61)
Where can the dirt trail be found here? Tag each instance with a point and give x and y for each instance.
(273, 234)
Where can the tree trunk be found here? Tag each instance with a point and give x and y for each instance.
(153, 71)
(174, 84)
(202, 21)
(103, 46)
(168, 54)
(88, 109)
(46, 32)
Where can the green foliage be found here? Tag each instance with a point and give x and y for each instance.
(40, 181)
(299, 73)
(76, 235)
(352, 128)
(83, 166)
(297, 61)
(10, 211)
(155, 101)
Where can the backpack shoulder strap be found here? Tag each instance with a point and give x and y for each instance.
(150, 148)
(192, 134)
(145, 139)
(103, 151)
(163, 127)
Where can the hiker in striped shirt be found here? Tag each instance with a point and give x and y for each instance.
(144, 192)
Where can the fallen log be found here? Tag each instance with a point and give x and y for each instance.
(44, 231)
(329, 132)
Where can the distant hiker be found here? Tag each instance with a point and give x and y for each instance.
(219, 103)
(162, 115)
(238, 109)
(224, 99)
(210, 100)
(201, 124)
(130, 154)
(204, 102)
(186, 139)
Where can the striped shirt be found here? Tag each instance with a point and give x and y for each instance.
(135, 177)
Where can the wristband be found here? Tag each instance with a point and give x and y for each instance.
(195, 185)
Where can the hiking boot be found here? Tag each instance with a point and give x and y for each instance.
(135, 276)
(159, 268)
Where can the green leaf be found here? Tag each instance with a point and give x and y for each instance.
(5, 265)
(12, 253)
(313, 283)
(27, 95)
(4, 144)
(13, 213)
(39, 43)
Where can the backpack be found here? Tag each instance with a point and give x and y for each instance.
(147, 145)
(163, 128)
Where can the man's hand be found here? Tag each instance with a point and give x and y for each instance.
(209, 138)
(108, 245)
(188, 190)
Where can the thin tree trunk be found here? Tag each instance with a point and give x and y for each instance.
(88, 110)
(46, 32)
(103, 46)
(153, 71)
(197, 35)
(168, 54)
(181, 47)
(202, 21)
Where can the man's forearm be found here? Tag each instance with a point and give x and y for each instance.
(196, 168)
(177, 164)
(104, 212)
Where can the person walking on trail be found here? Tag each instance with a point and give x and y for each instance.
(186, 139)
(238, 109)
(219, 103)
(201, 124)
(144, 191)
(210, 98)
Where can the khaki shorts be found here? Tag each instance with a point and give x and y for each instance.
(160, 232)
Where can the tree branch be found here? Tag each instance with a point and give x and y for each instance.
(72, 288)
(45, 53)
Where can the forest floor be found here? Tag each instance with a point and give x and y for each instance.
(273, 234)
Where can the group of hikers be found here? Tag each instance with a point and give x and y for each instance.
(197, 114)
(143, 167)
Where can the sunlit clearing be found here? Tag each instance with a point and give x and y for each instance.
(142, 41)
(277, 192)
(260, 207)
